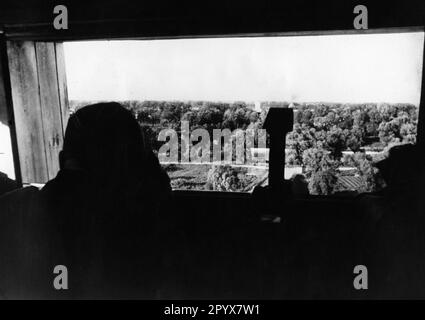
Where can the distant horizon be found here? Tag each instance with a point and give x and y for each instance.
(244, 101)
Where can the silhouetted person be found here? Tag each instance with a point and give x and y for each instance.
(299, 185)
(99, 215)
(6, 184)
(401, 169)
(104, 202)
(397, 254)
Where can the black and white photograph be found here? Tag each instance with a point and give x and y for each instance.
(196, 154)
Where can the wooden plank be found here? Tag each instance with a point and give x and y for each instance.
(50, 104)
(6, 136)
(6, 101)
(420, 139)
(63, 87)
(4, 118)
(27, 111)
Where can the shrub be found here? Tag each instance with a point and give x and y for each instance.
(226, 178)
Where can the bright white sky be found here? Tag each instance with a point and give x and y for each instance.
(342, 68)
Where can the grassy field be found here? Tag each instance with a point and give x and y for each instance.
(195, 176)
(188, 176)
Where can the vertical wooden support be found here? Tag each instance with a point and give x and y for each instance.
(27, 111)
(50, 104)
(6, 111)
(39, 104)
(62, 85)
(4, 117)
(278, 123)
(421, 118)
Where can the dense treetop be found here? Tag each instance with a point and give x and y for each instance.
(322, 132)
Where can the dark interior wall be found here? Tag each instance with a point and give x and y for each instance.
(179, 18)
(223, 248)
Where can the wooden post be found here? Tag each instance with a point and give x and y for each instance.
(6, 107)
(40, 106)
(421, 118)
(278, 123)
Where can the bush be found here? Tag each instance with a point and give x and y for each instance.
(321, 171)
(368, 173)
(226, 178)
(322, 182)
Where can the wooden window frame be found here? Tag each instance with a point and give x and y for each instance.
(38, 34)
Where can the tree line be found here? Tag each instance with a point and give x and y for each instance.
(322, 131)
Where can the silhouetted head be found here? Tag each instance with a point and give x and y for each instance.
(401, 167)
(299, 184)
(105, 141)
